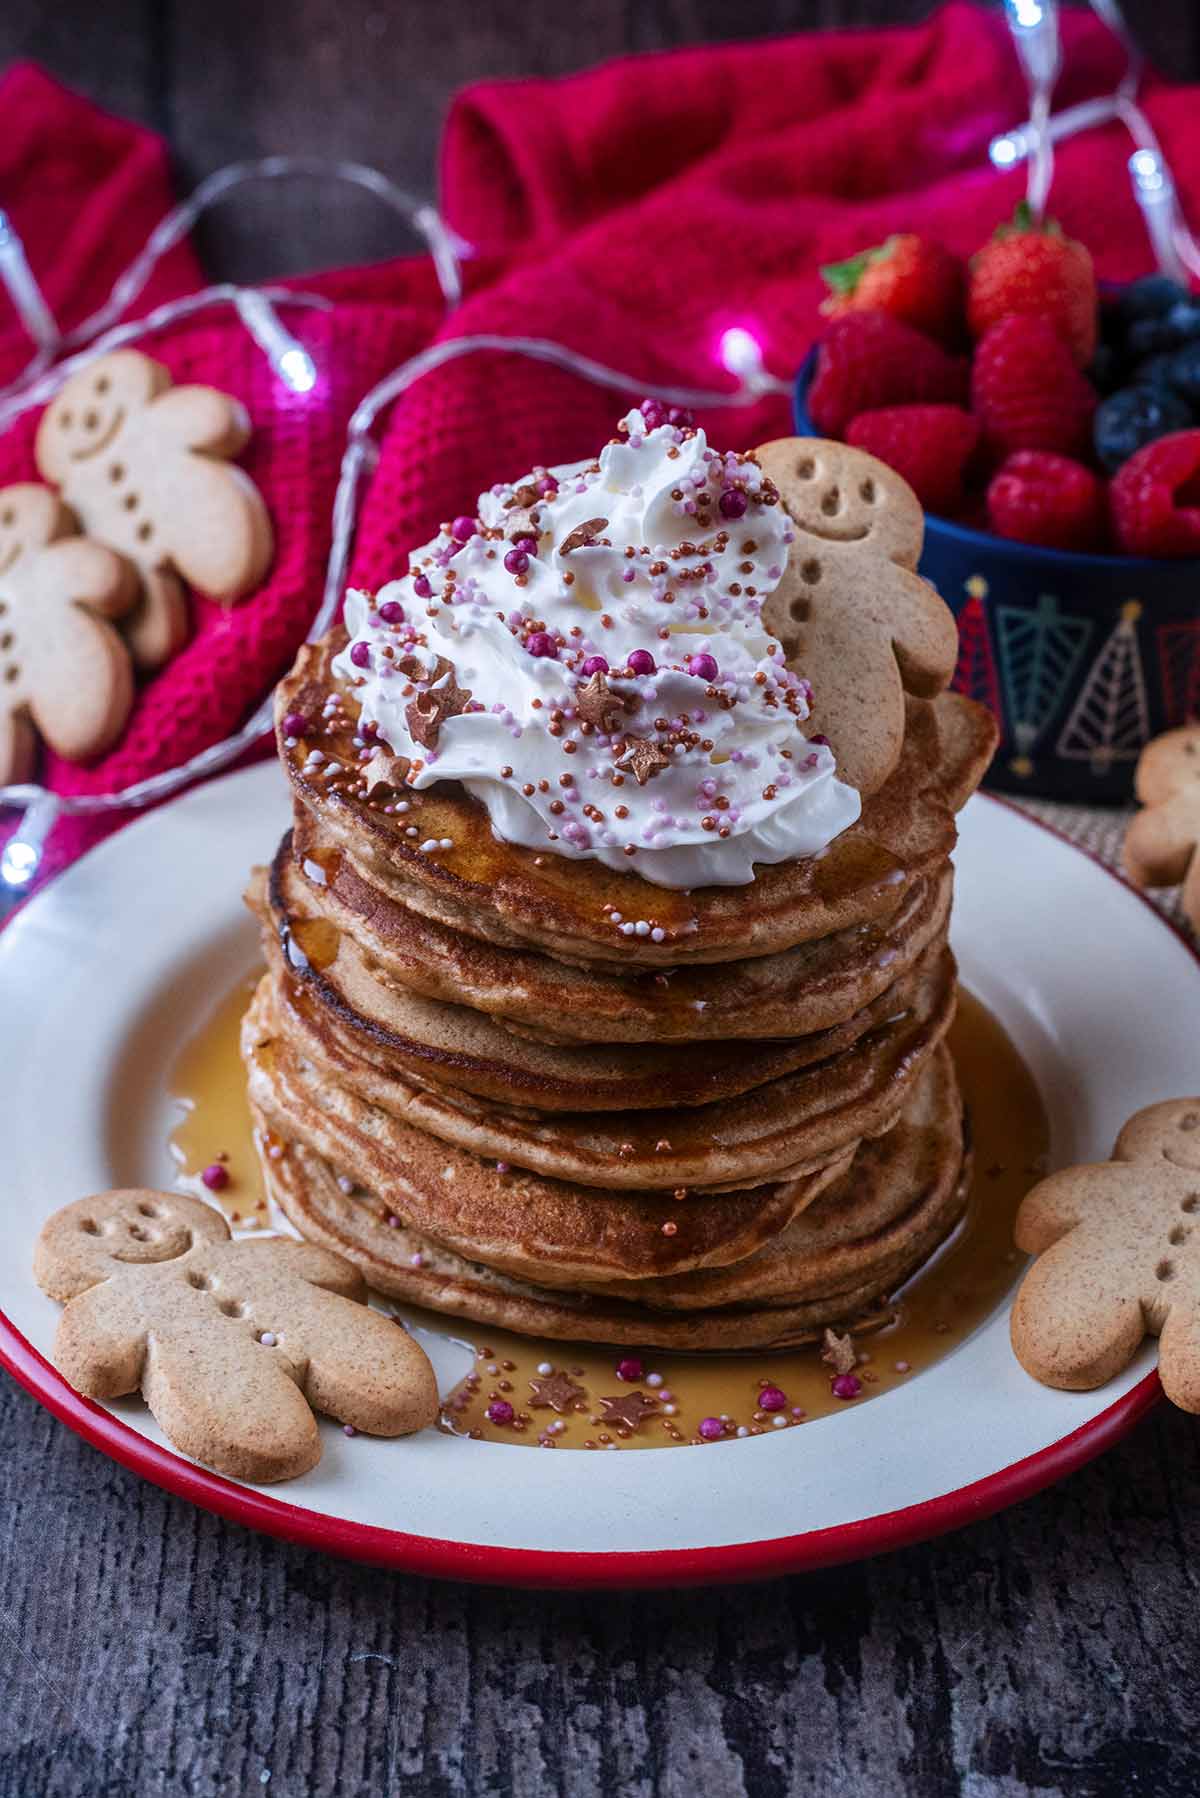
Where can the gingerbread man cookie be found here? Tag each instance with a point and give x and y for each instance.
(1161, 842)
(233, 1344)
(65, 673)
(852, 614)
(145, 465)
(1118, 1249)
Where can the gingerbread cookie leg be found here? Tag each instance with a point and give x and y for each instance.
(18, 748)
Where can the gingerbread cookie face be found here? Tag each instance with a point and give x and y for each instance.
(1161, 842)
(852, 614)
(65, 674)
(145, 465)
(233, 1344)
(1118, 1258)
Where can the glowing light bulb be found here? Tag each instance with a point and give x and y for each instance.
(740, 352)
(23, 851)
(289, 358)
(1005, 151)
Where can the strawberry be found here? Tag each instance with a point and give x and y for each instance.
(1027, 391)
(1032, 269)
(1038, 497)
(909, 277)
(868, 359)
(1156, 498)
(929, 445)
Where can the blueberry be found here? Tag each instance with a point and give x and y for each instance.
(1183, 372)
(1149, 298)
(1179, 325)
(1134, 416)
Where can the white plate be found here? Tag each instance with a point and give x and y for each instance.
(105, 975)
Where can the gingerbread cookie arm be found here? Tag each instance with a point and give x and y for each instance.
(366, 1370)
(100, 1344)
(200, 418)
(924, 635)
(1161, 841)
(1065, 1200)
(78, 675)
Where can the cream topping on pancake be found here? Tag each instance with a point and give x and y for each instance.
(587, 656)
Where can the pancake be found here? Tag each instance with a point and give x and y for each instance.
(518, 1218)
(898, 1192)
(794, 993)
(404, 1035)
(404, 1264)
(503, 893)
(784, 1127)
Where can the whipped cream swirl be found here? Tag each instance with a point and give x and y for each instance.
(587, 656)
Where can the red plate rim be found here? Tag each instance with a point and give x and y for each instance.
(487, 1565)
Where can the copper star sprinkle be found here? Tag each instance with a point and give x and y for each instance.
(581, 536)
(557, 1390)
(643, 759)
(838, 1352)
(385, 773)
(429, 710)
(597, 704)
(628, 1409)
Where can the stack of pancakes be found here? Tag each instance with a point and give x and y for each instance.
(553, 1098)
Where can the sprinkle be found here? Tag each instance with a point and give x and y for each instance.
(215, 1177)
(710, 1429)
(268, 1339)
(348, 1429)
(545, 1367)
(654, 1379)
(780, 1423)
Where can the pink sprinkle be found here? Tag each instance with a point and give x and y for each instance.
(771, 1398)
(642, 662)
(526, 544)
(710, 1429)
(463, 528)
(422, 588)
(295, 725)
(516, 561)
(348, 1429)
(541, 643)
(845, 1385)
(703, 666)
(732, 503)
(903, 1366)
(360, 655)
(499, 1411)
(631, 1369)
(392, 612)
(595, 665)
(215, 1177)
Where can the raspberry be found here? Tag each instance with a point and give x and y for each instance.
(929, 445)
(1028, 392)
(1030, 268)
(867, 360)
(1038, 497)
(1156, 498)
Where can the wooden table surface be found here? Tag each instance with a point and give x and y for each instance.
(147, 1648)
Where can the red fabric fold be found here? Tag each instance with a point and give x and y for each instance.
(632, 212)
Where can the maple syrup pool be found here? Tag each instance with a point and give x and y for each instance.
(570, 1395)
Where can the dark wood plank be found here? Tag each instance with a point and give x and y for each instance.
(148, 1650)
(110, 52)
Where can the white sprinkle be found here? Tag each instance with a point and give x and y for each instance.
(628, 929)
(429, 845)
(780, 1423)
(642, 928)
(545, 1367)
(654, 1379)
(345, 1182)
(670, 1410)
(268, 1339)
(658, 935)
(410, 830)
(446, 843)
(742, 1430)
(615, 916)
(417, 1260)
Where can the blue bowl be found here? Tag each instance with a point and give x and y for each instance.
(1082, 659)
